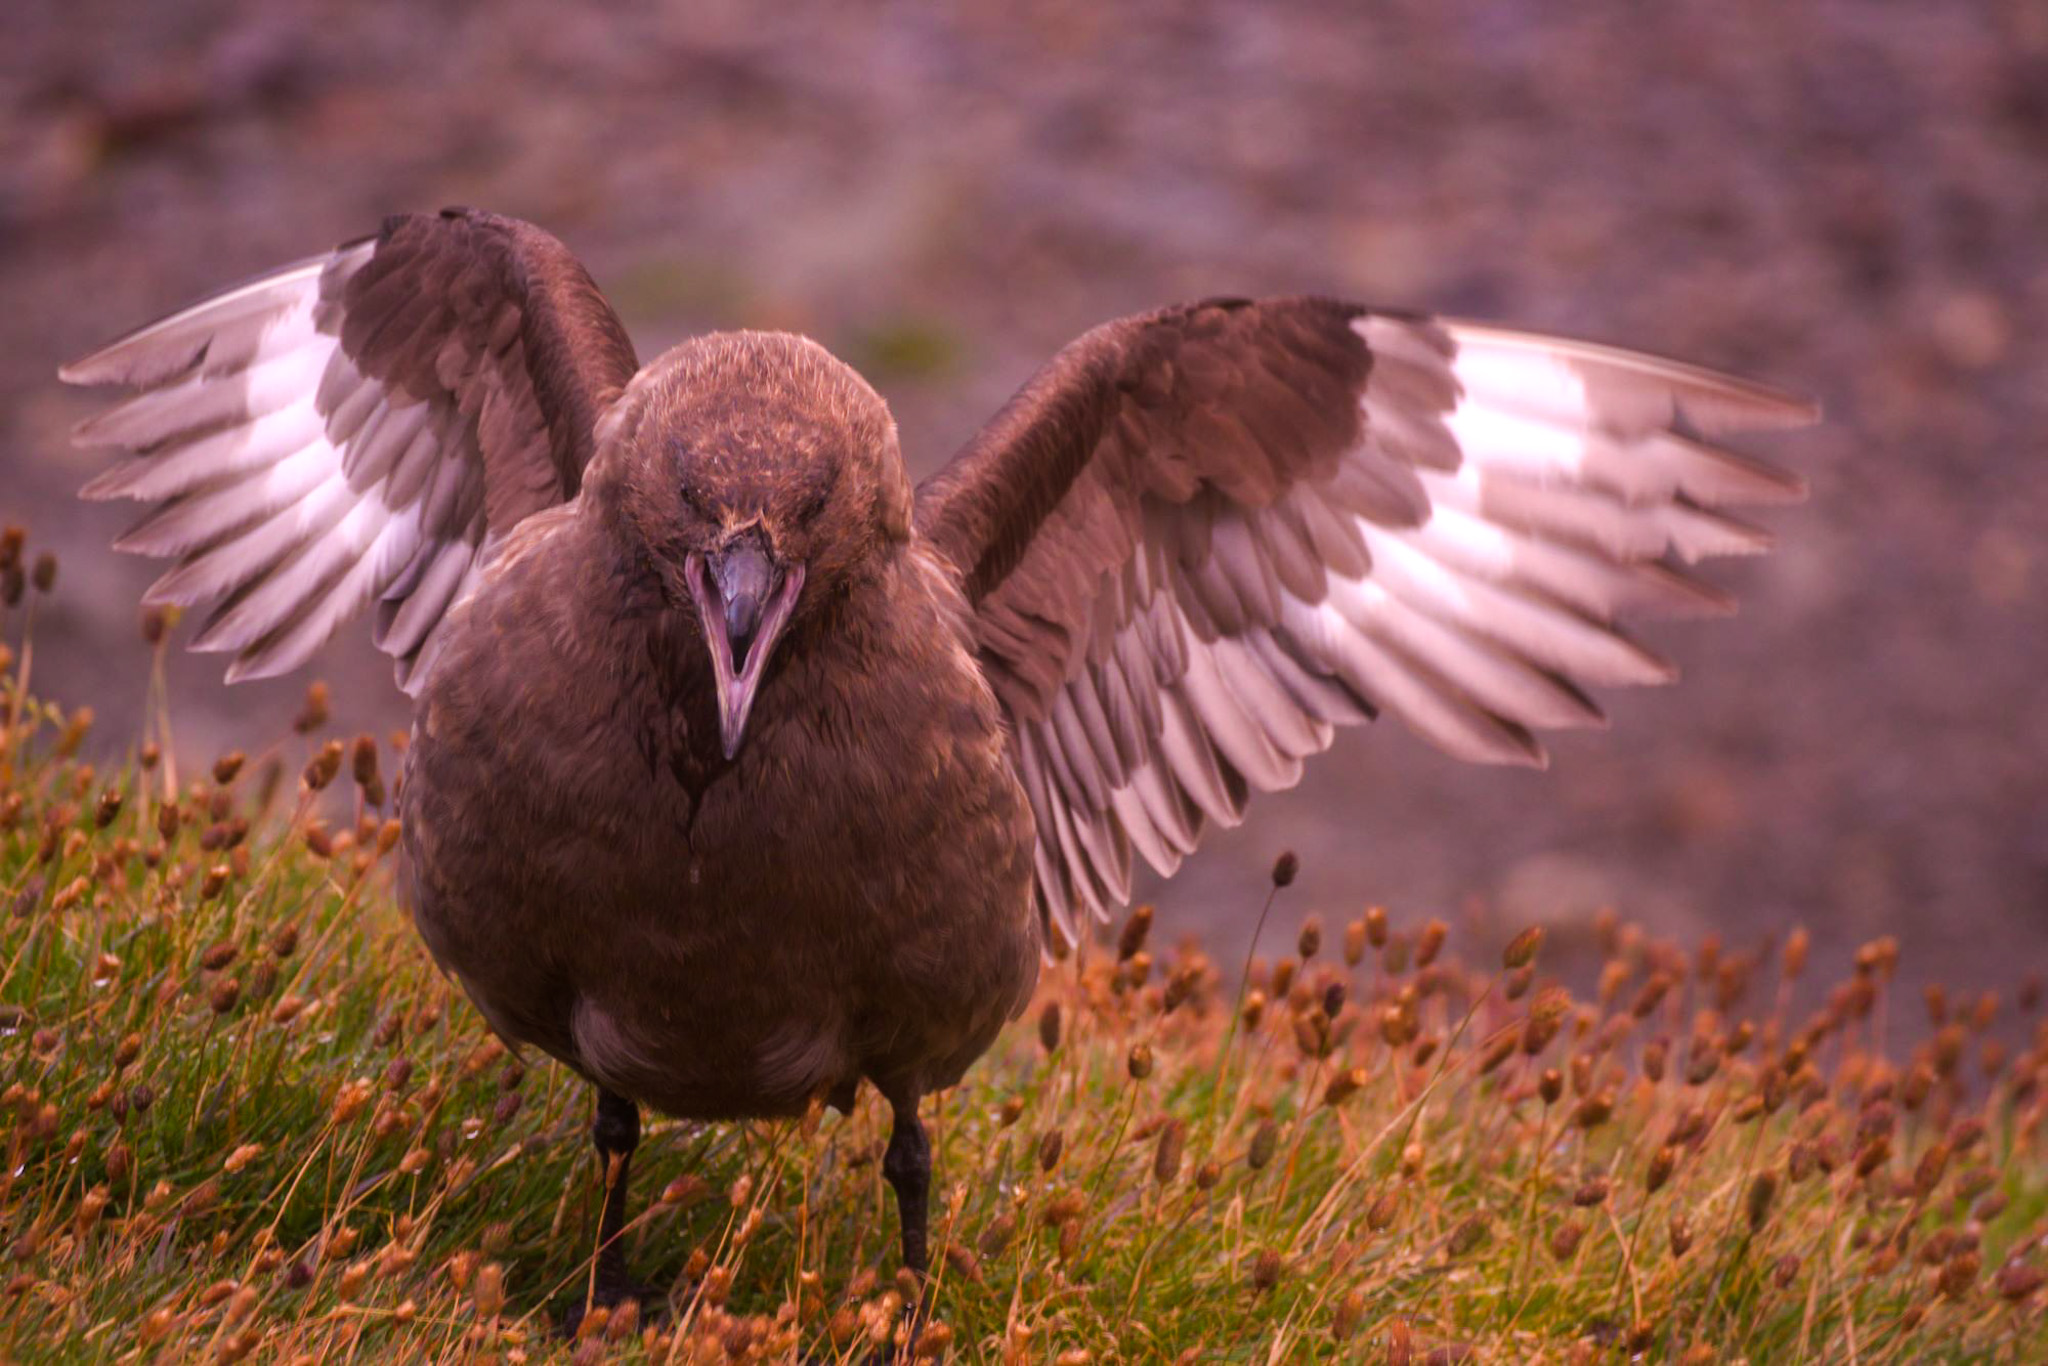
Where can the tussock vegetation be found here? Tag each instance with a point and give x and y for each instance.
(245, 1119)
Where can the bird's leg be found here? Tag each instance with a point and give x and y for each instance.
(616, 1133)
(908, 1166)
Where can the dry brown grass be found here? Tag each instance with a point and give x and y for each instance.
(246, 1119)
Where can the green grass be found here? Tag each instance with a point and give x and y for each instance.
(245, 1118)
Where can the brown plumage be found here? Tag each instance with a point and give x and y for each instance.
(742, 772)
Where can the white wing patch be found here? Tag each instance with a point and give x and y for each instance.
(1512, 496)
(291, 489)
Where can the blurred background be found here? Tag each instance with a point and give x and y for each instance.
(1845, 197)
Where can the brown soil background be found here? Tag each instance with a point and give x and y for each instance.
(1849, 198)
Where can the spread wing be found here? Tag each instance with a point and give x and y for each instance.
(360, 428)
(1199, 540)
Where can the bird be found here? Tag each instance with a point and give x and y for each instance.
(742, 769)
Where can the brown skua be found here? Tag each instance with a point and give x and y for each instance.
(742, 770)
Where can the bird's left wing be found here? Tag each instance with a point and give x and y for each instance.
(1200, 539)
(357, 430)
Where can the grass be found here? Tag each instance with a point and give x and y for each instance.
(246, 1119)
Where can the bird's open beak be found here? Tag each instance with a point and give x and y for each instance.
(743, 601)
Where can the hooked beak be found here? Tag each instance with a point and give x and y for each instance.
(743, 601)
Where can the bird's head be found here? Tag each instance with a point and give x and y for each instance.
(760, 474)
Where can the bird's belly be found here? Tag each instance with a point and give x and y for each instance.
(746, 953)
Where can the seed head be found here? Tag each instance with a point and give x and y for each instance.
(1614, 975)
(44, 575)
(1049, 1149)
(1497, 1052)
(313, 714)
(1344, 1085)
(1521, 950)
(1310, 941)
(1286, 868)
(322, 767)
(1394, 957)
(1265, 1270)
(1430, 943)
(1131, 975)
(1546, 1017)
(1948, 1049)
(1135, 930)
(1254, 1008)
(995, 1238)
(1064, 1208)
(1312, 1034)
(1264, 1140)
(2017, 1280)
(76, 727)
(1879, 957)
(1139, 1063)
(1384, 1211)
(363, 760)
(1565, 1239)
(1594, 1110)
(1928, 1173)
(1049, 1026)
(1661, 1164)
(1344, 1319)
(1796, 945)
(1166, 1157)
(1763, 1189)
(1468, 1237)
(1652, 995)
(1681, 1234)
(1959, 1273)
(1354, 943)
(1398, 1024)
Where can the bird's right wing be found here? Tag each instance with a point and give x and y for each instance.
(357, 429)
(1199, 540)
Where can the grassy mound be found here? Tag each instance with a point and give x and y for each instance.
(246, 1119)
